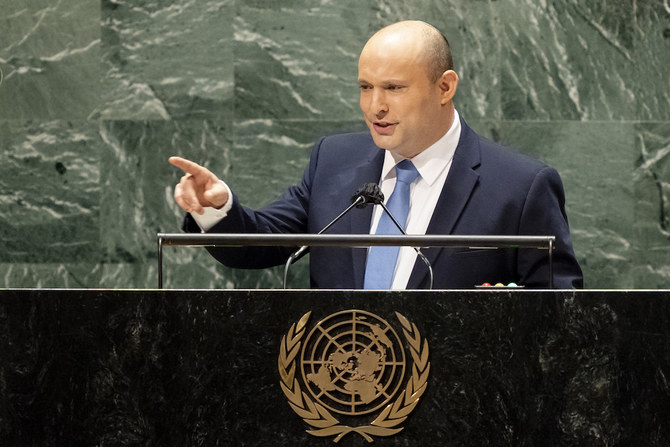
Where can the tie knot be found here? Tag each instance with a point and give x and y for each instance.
(406, 172)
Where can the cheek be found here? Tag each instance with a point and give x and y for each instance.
(413, 113)
(424, 112)
(364, 102)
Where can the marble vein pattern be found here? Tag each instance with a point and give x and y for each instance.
(97, 94)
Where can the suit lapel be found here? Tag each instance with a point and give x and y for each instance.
(458, 187)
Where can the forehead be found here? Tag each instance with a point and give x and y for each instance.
(389, 67)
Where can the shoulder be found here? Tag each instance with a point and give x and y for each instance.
(496, 155)
(503, 169)
(343, 148)
(489, 157)
(346, 141)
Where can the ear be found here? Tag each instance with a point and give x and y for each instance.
(448, 83)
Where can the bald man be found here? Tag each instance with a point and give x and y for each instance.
(460, 184)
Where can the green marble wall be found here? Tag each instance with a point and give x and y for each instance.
(97, 95)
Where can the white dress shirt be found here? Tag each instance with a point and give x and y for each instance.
(433, 165)
(212, 216)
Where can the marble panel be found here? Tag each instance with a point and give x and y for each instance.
(50, 57)
(485, 128)
(651, 81)
(652, 206)
(595, 161)
(138, 182)
(49, 192)
(567, 60)
(70, 274)
(285, 55)
(270, 155)
(167, 59)
(298, 59)
(191, 268)
(194, 268)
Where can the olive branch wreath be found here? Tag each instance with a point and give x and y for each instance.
(325, 424)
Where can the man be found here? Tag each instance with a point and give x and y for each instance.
(460, 183)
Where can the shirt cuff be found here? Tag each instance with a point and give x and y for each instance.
(212, 216)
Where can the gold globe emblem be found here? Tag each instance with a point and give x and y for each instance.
(353, 362)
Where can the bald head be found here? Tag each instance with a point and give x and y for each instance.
(407, 87)
(429, 45)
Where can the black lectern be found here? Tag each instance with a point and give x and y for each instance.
(196, 367)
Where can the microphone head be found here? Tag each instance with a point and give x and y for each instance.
(371, 193)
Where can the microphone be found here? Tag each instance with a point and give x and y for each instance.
(371, 193)
(393, 219)
(366, 194)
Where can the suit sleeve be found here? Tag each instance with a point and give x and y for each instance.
(544, 214)
(286, 215)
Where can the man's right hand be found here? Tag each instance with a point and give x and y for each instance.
(198, 188)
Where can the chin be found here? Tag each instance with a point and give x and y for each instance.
(382, 141)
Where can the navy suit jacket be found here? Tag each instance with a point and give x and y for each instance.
(489, 191)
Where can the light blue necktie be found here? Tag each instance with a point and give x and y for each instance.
(382, 260)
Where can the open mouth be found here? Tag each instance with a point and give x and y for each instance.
(383, 127)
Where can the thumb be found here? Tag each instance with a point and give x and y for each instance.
(217, 194)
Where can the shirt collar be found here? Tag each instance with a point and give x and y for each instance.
(432, 161)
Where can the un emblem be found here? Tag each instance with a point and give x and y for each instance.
(350, 366)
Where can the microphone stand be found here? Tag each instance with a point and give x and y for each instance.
(418, 252)
(360, 200)
(369, 193)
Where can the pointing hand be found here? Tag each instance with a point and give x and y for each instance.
(198, 188)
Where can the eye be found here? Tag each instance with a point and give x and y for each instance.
(365, 87)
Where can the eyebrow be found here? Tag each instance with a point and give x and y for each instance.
(394, 82)
(385, 83)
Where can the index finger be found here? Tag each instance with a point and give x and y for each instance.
(187, 166)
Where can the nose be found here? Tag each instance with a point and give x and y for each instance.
(377, 105)
(380, 104)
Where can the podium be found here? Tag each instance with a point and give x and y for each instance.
(201, 367)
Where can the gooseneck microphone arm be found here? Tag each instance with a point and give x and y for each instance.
(370, 193)
(302, 250)
(418, 252)
(374, 194)
(363, 197)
